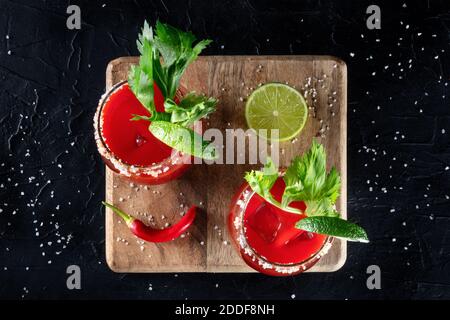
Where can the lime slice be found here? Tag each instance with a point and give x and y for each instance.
(333, 226)
(183, 139)
(276, 106)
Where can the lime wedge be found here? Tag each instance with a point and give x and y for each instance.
(276, 106)
(183, 139)
(333, 226)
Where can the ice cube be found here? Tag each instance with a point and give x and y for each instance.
(264, 222)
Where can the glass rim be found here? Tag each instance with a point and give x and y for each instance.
(312, 259)
(127, 169)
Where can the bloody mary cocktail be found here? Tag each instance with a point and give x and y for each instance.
(128, 147)
(145, 128)
(266, 236)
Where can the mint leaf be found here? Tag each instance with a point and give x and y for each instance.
(333, 226)
(191, 108)
(183, 139)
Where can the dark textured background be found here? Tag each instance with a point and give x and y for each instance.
(52, 179)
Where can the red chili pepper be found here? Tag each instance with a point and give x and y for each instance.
(150, 234)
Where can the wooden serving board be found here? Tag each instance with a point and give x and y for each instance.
(207, 247)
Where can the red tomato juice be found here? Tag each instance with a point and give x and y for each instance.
(271, 234)
(131, 141)
(127, 146)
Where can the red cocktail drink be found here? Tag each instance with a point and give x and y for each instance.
(266, 236)
(127, 146)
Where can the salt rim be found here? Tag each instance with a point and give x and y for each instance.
(126, 169)
(241, 205)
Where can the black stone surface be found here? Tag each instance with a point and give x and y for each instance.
(52, 179)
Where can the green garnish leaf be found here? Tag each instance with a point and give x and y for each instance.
(333, 226)
(137, 117)
(177, 51)
(165, 56)
(191, 108)
(307, 180)
(183, 139)
(142, 86)
(147, 50)
(262, 181)
(322, 207)
(140, 77)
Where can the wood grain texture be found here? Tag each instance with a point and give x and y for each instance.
(207, 248)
